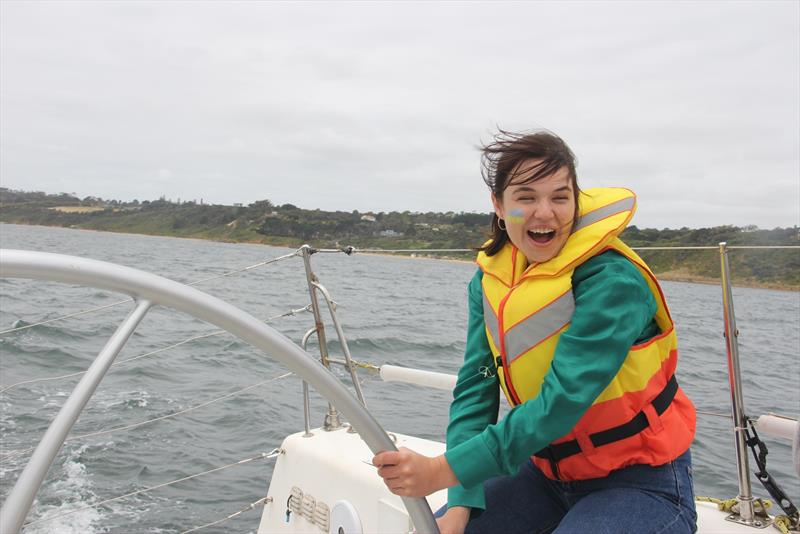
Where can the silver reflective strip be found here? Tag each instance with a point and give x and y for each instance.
(490, 319)
(626, 204)
(539, 326)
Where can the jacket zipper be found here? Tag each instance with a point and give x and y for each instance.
(502, 360)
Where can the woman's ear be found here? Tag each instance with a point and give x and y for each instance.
(498, 207)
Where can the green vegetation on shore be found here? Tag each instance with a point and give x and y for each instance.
(289, 225)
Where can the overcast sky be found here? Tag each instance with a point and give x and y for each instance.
(380, 106)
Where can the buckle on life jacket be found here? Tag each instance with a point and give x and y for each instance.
(558, 451)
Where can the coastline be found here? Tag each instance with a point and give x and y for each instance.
(679, 275)
(683, 276)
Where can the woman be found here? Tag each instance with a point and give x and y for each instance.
(573, 327)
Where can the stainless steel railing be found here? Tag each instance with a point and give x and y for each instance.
(149, 290)
(332, 420)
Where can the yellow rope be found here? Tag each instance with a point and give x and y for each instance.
(731, 505)
(365, 365)
(725, 505)
(783, 523)
(760, 506)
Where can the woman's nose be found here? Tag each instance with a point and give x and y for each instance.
(543, 210)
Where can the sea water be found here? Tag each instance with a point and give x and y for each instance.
(395, 310)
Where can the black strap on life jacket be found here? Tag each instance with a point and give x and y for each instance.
(556, 452)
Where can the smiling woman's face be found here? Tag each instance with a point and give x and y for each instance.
(538, 215)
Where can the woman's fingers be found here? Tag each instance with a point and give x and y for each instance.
(389, 471)
(411, 474)
(386, 458)
(404, 472)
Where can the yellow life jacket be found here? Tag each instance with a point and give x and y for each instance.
(642, 416)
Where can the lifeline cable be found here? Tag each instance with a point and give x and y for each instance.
(19, 452)
(98, 308)
(264, 455)
(262, 500)
(715, 414)
(349, 250)
(290, 313)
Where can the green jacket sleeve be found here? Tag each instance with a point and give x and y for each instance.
(476, 395)
(613, 309)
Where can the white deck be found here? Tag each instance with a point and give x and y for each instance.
(335, 469)
(340, 489)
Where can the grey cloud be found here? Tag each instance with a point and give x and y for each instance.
(380, 105)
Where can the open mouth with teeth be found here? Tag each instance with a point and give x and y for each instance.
(542, 236)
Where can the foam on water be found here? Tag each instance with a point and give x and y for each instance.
(68, 493)
(127, 400)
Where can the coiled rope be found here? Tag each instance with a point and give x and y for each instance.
(760, 506)
(784, 524)
(732, 505)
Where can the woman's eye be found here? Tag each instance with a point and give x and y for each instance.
(560, 199)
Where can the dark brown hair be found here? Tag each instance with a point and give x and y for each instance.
(504, 159)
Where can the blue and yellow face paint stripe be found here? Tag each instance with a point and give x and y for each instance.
(516, 216)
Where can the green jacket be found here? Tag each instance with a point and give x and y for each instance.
(614, 309)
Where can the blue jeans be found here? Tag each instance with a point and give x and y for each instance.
(638, 499)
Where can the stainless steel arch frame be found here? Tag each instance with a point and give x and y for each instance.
(149, 289)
